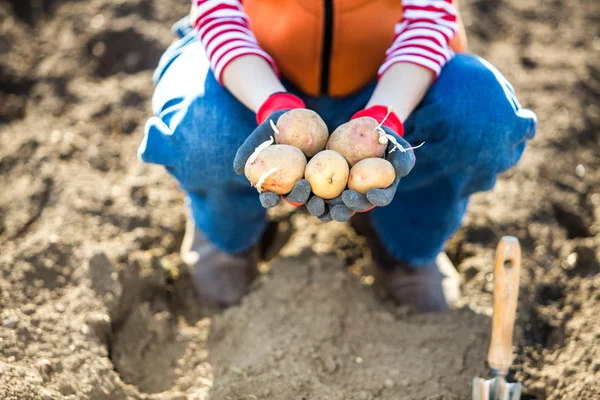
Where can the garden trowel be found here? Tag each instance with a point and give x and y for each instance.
(506, 294)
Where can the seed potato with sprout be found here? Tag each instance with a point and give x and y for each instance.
(371, 173)
(303, 129)
(327, 172)
(275, 168)
(363, 138)
(358, 139)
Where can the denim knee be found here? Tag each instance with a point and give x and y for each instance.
(485, 124)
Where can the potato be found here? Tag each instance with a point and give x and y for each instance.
(327, 173)
(280, 166)
(357, 140)
(371, 173)
(304, 129)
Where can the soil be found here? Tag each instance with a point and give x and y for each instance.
(95, 304)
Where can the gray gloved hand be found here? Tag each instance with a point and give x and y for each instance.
(329, 210)
(317, 207)
(298, 196)
(402, 160)
(301, 191)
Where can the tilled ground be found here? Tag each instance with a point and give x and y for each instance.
(94, 303)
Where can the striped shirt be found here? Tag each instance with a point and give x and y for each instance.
(421, 37)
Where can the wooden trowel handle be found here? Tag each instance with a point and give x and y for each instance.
(506, 293)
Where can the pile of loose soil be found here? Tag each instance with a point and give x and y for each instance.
(95, 304)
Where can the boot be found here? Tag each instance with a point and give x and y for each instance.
(220, 279)
(432, 288)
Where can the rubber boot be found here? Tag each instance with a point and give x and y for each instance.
(220, 279)
(432, 288)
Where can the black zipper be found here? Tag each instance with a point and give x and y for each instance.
(327, 43)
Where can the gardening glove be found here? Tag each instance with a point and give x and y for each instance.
(324, 210)
(273, 108)
(398, 152)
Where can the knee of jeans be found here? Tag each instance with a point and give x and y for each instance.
(485, 122)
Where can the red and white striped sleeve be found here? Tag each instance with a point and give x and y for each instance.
(423, 35)
(222, 27)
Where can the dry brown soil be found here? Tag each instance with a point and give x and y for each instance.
(94, 303)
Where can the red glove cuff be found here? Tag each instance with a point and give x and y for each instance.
(276, 102)
(378, 113)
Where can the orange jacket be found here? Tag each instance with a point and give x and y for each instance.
(335, 53)
(331, 47)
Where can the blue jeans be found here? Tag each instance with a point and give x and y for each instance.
(472, 124)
